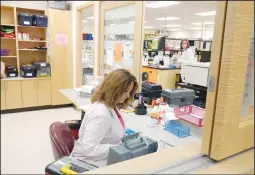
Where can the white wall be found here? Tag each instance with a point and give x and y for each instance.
(26, 4)
(150, 31)
(208, 34)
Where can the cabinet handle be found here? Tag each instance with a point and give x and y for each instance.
(150, 71)
(35, 84)
(6, 86)
(38, 84)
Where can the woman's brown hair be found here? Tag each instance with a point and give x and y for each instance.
(187, 41)
(114, 85)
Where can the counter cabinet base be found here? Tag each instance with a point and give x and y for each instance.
(7, 111)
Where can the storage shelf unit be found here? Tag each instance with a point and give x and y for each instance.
(19, 92)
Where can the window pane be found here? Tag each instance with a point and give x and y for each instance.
(119, 30)
(248, 96)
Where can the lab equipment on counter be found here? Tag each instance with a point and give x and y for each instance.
(68, 165)
(25, 19)
(11, 71)
(42, 69)
(195, 73)
(177, 128)
(140, 109)
(40, 20)
(151, 90)
(179, 97)
(87, 90)
(191, 114)
(28, 71)
(132, 146)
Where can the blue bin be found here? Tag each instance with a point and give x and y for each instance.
(177, 128)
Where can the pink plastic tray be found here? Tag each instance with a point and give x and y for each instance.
(191, 114)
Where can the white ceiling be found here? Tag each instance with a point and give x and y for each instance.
(185, 10)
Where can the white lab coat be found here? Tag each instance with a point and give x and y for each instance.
(187, 56)
(99, 131)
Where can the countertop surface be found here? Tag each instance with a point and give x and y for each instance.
(161, 68)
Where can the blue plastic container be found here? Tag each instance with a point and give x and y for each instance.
(177, 128)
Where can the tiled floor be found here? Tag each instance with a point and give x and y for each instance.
(25, 140)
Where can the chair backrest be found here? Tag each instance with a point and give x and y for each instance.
(145, 76)
(62, 138)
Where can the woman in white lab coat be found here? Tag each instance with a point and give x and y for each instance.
(187, 55)
(103, 126)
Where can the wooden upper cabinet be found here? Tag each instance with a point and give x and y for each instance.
(43, 92)
(29, 93)
(3, 104)
(13, 94)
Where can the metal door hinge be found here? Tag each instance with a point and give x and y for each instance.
(211, 84)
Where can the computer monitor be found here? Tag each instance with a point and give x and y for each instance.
(161, 43)
(205, 56)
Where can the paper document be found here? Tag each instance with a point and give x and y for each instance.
(110, 56)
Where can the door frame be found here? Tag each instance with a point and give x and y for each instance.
(79, 40)
(138, 39)
(233, 133)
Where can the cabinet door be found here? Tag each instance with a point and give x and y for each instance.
(61, 54)
(29, 93)
(153, 74)
(167, 78)
(3, 104)
(44, 92)
(13, 94)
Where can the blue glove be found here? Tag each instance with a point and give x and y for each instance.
(130, 131)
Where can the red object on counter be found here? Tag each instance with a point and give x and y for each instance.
(191, 114)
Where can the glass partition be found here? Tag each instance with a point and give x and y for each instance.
(248, 96)
(87, 44)
(119, 32)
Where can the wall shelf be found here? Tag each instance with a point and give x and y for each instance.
(34, 50)
(11, 25)
(8, 56)
(33, 41)
(31, 27)
(3, 38)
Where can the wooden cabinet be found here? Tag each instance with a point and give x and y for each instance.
(166, 78)
(61, 54)
(29, 93)
(13, 94)
(3, 104)
(43, 92)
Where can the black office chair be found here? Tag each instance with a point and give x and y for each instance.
(145, 76)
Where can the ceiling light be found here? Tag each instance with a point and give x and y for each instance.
(131, 22)
(92, 17)
(173, 30)
(211, 13)
(84, 21)
(148, 27)
(160, 4)
(167, 18)
(112, 24)
(200, 23)
(195, 28)
(171, 25)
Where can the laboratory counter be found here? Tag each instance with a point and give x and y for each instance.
(161, 67)
(178, 156)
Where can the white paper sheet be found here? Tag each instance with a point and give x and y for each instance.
(110, 56)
